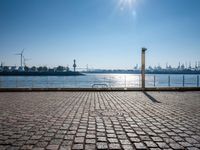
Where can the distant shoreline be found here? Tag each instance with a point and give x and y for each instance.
(164, 73)
(70, 73)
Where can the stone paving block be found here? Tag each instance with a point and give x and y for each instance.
(26, 147)
(79, 140)
(90, 147)
(102, 145)
(128, 147)
(162, 145)
(42, 144)
(176, 146)
(52, 147)
(140, 146)
(65, 148)
(113, 140)
(36, 148)
(77, 146)
(101, 139)
(135, 140)
(90, 141)
(114, 146)
(150, 144)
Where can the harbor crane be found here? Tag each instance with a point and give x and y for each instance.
(21, 57)
(25, 60)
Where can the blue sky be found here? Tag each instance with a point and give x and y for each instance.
(100, 33)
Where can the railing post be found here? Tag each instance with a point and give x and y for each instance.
(110, 82)
(169, 81)
(183, 80)
(154, 79)
(16, 82)
(139, 81)
(32, 82)
(64, 82)
(197, 80)
(47, 82)
(125, 80)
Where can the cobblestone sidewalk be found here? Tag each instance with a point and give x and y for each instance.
(100, 120)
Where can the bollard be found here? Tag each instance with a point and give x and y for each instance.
(154, 79)
(169, 80)
(183, 80)
(197, 80)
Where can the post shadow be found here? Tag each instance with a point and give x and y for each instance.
(150, 97)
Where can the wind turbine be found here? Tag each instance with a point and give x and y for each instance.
(21, 55)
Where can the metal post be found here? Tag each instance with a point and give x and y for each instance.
(110, 82)
(47, 82)
(197, 80)
(143, 68)
(16, 82)
(169, 81)
(154, 79)
(0, 83)
(139, 81)
(32, 82)
(183, 80)
(64, 82)
(125, 80)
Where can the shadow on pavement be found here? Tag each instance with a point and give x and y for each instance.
(151, 98)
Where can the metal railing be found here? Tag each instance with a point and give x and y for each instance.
(100, 81)
(182, 81)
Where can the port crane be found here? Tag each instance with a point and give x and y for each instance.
(21, 57)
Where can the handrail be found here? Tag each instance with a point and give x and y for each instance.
(105, 85)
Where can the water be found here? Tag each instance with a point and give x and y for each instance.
(97, 80)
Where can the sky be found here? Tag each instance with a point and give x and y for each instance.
(105, 34)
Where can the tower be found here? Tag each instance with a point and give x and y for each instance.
(74, 65)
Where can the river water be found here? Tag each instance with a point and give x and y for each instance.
(98, 80)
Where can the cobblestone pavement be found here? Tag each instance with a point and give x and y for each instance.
(100, 120)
